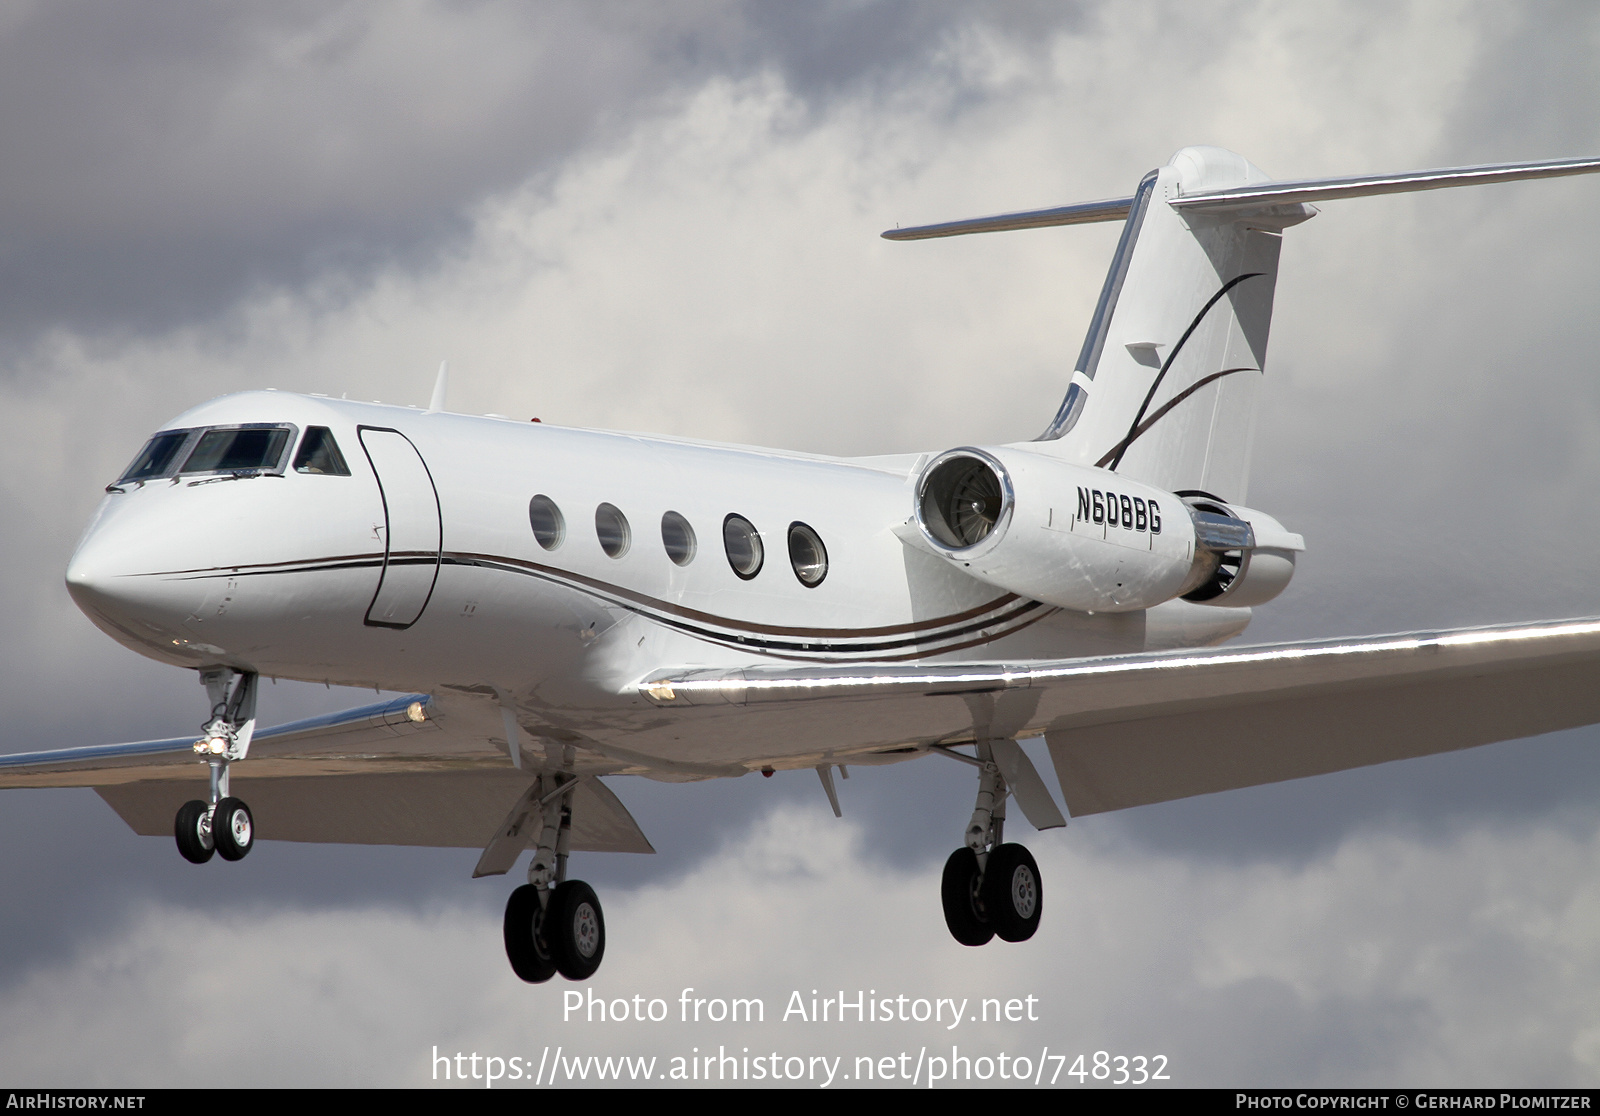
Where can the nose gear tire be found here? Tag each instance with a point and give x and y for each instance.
(1012, 896)
(576, 930)
(525, 949)
(963, 909)
(193, 830)
(233, 829)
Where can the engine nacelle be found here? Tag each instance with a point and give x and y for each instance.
(1057, 532)
(1087, 539)
(1240, 577)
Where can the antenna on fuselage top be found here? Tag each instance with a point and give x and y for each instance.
(436, 404)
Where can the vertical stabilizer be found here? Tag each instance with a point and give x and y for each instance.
(1165, 387)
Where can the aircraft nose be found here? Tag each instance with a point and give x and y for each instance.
(96, 575)
(89, 572)
(112, 580)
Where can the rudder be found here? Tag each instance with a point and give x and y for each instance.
(1165, 387)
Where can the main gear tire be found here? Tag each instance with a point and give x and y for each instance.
(525, 949)
(963, 906)
(576, 930)
(1013, 895)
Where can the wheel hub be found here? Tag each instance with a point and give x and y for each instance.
(586, 930)
(1024, 891)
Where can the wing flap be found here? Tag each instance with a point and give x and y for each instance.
(442, 809)
(1115, 765)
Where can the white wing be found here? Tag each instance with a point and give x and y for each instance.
(1135, 729)
(397, 772)
(1122, 731)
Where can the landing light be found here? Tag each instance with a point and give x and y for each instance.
(416, 713)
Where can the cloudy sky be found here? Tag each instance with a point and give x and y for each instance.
(665, 218)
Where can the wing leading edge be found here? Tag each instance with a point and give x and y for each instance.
(1137, 729)
(102, 764)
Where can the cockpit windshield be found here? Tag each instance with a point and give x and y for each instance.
(156, 457)
(241, 450)
(237, 450)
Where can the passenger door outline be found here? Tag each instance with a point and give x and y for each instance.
(411, 569)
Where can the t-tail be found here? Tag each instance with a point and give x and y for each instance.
(1164, 388)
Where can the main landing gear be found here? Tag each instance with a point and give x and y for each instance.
(990, 888)
(223, 824)
(553, 924)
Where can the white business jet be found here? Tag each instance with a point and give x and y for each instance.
(561, 605)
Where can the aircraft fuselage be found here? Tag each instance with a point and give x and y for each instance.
(422, 569)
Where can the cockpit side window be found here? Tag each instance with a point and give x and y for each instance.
(319, 453)
(156, 459)
(239, 449)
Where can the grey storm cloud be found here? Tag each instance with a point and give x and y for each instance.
(639, 216)
(159, 162)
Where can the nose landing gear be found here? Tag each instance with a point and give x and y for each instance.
(194, 832)
(553, 924)
(224, 824)
(233, 829)
(990, 888)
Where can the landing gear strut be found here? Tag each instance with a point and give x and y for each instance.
(223, 824)
(990, 888)
(553, 924)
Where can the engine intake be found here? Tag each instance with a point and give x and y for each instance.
(965, 495)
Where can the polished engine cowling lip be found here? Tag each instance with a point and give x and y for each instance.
(1002, 521)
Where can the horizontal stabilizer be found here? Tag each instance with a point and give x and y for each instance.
(1331, 189)
(1287, 192)
(1081, 213)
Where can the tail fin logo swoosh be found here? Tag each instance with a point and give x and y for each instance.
(1115, 452)
(1134, 429)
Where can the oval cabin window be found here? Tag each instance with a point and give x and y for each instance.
(743, 543)
(612, 528)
